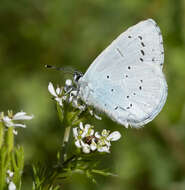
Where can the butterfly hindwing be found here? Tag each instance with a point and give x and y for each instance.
(126, 80)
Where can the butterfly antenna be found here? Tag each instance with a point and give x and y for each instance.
(65, 70)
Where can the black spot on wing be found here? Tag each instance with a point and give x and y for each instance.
(142, 52)
(142, 44)
(116, 108)
(140, 37)
(141, 59)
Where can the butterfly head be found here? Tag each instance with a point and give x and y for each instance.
(76, 76)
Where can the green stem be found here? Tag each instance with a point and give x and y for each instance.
(64, 144)
(10, 139)
(1, 134)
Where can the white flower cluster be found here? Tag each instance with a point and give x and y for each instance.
(69, 94)
(89, 141)
(11, 185)
(11, 120)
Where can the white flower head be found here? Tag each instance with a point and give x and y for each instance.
(11, 120)
(89, 141)
(80, 133)
(57, 94)
(70, 94)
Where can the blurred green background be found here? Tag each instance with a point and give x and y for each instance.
(73, 33)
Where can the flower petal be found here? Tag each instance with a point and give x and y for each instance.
(85, 147)
(86, 150)
(6, 119)
(81, 126)
(59, 100)
(103, 149)
(51, 89)
(97, 117)
(22, 116)
(93, 145)
(107, 143)
(97, 135)
(70, 99)
(58, 91)
(15, 132)
(114, 136)
(77, 143)
(85, 130)
(19, 114)
(19, 125)
(91, 112)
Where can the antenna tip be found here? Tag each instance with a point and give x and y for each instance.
(47, 66)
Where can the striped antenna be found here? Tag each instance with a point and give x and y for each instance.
(65, 70)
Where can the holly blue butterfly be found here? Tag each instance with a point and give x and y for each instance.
(126, 80)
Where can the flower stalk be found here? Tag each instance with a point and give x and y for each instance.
(1, 134)
(10, 139)
(64, 144)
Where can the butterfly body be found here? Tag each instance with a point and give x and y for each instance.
(126, 80)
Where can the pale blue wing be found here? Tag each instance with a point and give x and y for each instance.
(126, 81)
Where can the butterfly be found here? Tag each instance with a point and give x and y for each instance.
(126, 81)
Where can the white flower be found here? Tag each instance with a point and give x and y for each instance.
(88, 141)
(80, 133)
(10, 120)
(56, 93)
(11, 186)
(104, 142)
